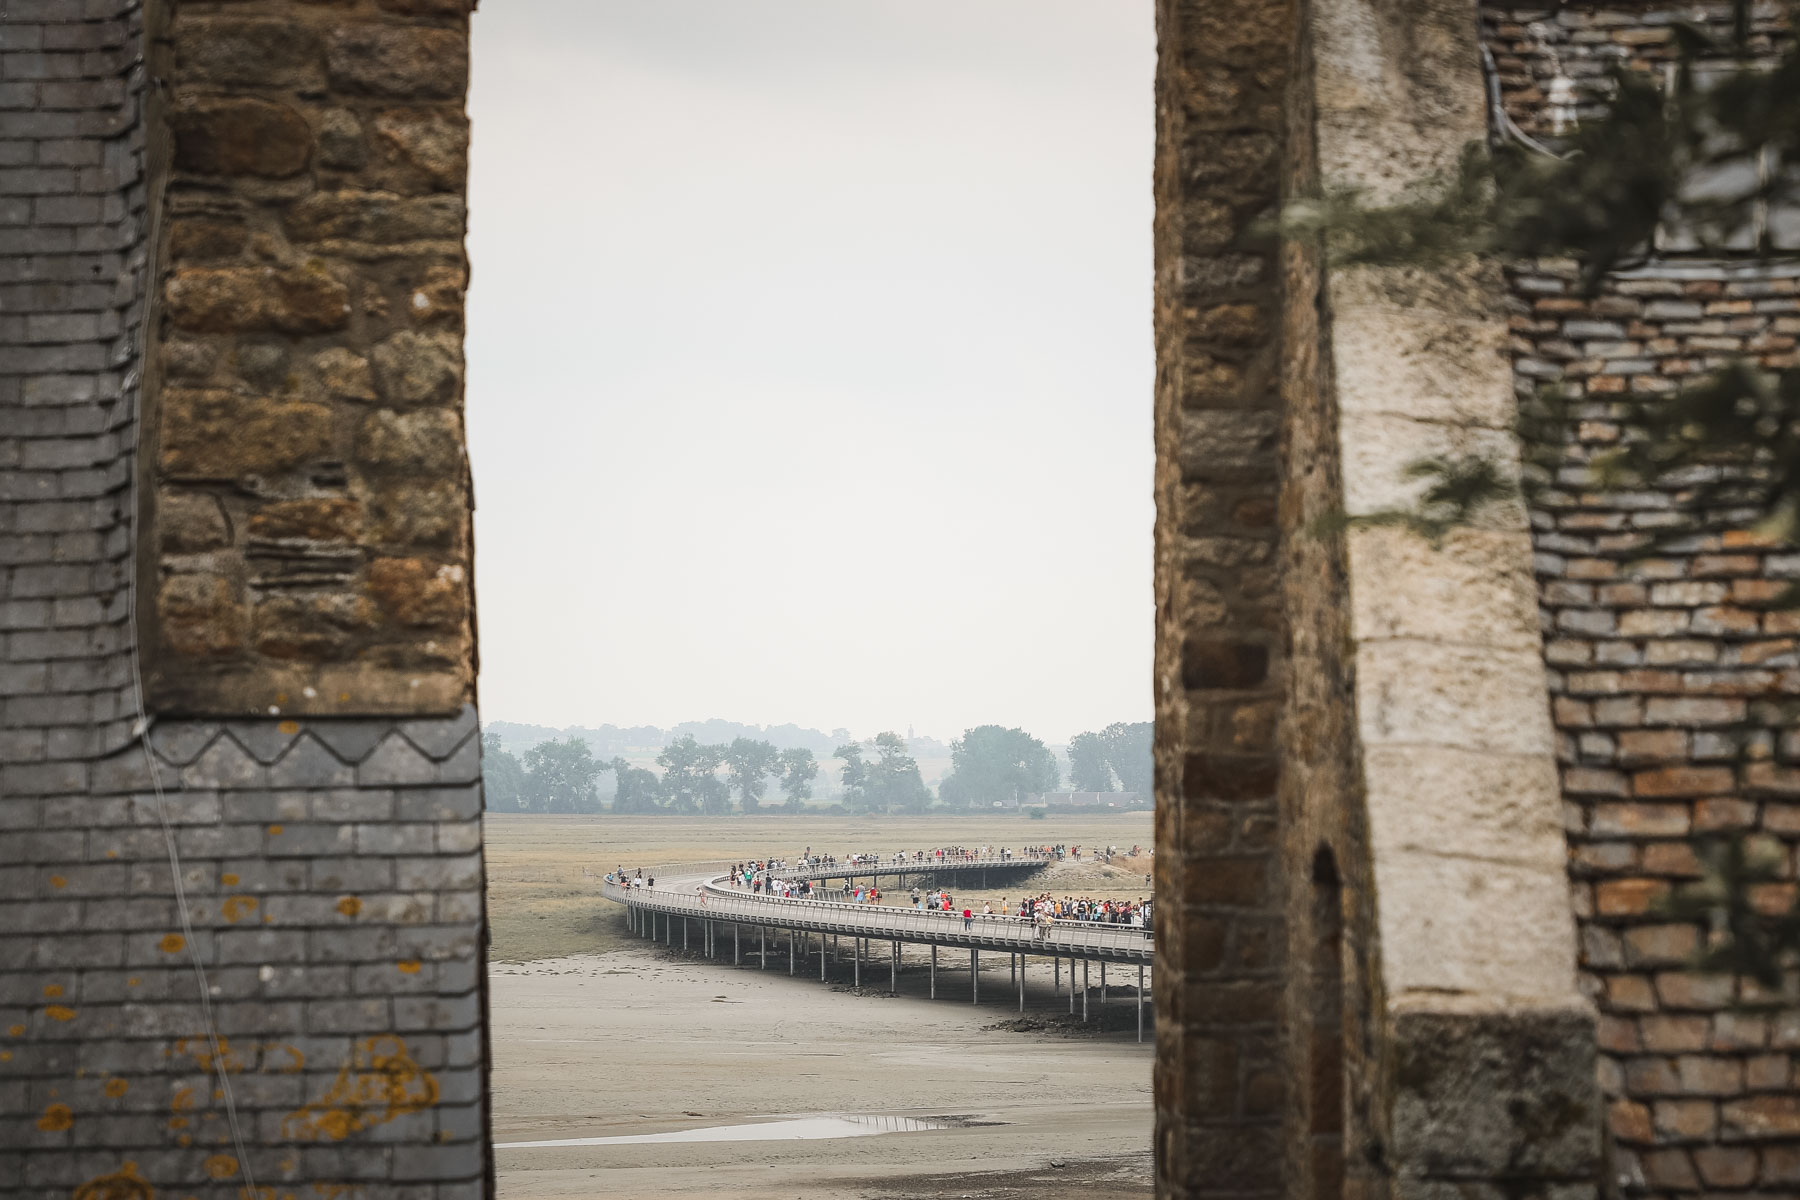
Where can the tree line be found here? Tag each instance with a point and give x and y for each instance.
(990, 765)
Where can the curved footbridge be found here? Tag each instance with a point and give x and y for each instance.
(701, 898)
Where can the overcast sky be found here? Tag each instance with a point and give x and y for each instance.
(810, 362)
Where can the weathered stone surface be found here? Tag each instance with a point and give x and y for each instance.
(341, 140)
(399, 60)
(431, 513)
(201, 615)
(222, 435)
(200, 239)
(253, 52)
(423, 442)
(329, 519)
(431, 145)
(376, 217)
(241, 137)
(309, 627)
(191, 522)
(249, 299)
(1495, 1094)
(418, 592)
(417, 368)
(345, 374)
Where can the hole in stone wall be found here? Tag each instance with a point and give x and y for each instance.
(1326, 1036)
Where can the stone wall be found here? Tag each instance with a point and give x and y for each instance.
(322, 875)
(1219, 633)
(312, 494)
(1673, 684)
(1671, 676)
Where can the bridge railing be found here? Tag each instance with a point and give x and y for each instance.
(889, 866)
(874, 920)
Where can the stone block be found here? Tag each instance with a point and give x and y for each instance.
(240, 136)
(1488, 1093)
(408, 61)
(224, 436)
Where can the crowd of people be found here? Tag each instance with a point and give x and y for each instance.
(771, 877)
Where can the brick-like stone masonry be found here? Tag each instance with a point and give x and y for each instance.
(1673, 686)
(312, 499)
(1219, 1081)
(332, 866)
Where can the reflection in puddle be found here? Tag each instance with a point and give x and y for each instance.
(788, 1129)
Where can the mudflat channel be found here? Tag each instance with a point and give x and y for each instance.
(645, 1040)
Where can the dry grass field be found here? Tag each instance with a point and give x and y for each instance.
(541, 905)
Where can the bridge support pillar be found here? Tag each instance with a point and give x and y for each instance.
(894, 971)
(821, 958)
(762, 958)
(1140, 1001)
(684, 933)
(856, 966)
(1057, 977)
(1084, 991)
(1019, 973)
(737, 944)
(793, 936)
(934, 970)
(974, 976)
(1071, 985)
(1103, 985)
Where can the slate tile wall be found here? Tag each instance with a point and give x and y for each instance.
(332, 867)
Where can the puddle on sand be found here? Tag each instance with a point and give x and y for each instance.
(786, 1130)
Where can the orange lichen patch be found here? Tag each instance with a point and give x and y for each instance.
(221, 1166)
(57, 881)
(133, 981)
(112, 854)
(229, 879)
(123, 1184)
(116, 1087)
(379, 1083)
(16, 1030)
(184, 1140)
(5, 1055)
(53, 990)
(409, 967)
(274, 831)
(179, 1123)
(60, 1012)
(171, 943)
(296, 1061)
(56, 1118)
(201, 1051)
(181, 1101)
(349, 906)
(290, 728)
(236, 908)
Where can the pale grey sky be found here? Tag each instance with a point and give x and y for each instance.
(810, 361)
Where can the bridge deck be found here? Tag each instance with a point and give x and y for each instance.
(705, 895)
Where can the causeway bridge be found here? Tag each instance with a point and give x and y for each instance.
(701, 898)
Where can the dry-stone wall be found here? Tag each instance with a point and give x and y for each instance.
(312, 499)
(1672, 677)
(330, 867)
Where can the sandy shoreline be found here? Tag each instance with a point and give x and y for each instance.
(645, 1040)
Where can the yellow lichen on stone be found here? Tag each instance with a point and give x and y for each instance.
(379, 1083)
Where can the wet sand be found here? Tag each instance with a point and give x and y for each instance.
(646, 1040)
